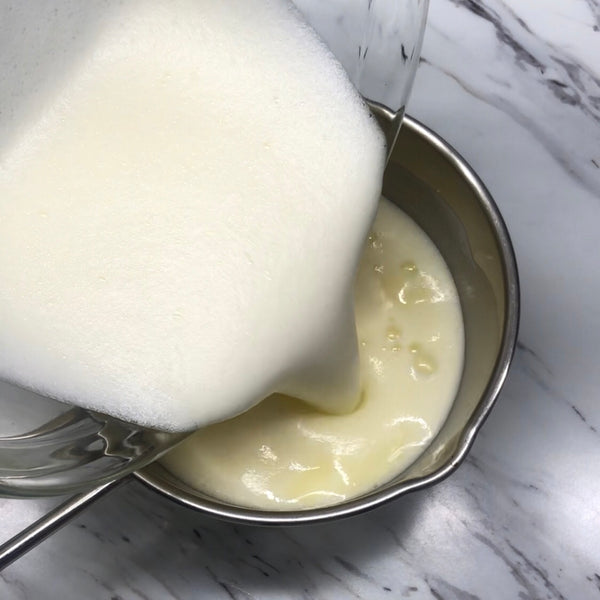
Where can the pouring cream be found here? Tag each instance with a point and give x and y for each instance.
(180, 229)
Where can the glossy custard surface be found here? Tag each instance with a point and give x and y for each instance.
(283, 454)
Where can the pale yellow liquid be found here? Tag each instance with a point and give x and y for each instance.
(283, 454)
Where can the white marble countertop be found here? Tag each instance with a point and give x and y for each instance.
(514, 85)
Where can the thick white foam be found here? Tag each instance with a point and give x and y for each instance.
(179, 232)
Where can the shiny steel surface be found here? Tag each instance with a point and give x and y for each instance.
(433, 184)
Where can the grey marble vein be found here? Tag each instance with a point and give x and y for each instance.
(540, 69)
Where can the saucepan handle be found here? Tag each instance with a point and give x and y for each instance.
(37, 532)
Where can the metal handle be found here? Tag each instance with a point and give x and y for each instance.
(37, 532)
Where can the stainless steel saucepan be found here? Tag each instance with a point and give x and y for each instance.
(435, 186)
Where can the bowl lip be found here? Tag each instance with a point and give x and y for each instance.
(249, 516)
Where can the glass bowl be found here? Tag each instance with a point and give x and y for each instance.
(66, 450)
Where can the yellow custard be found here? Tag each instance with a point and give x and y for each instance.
(283, 454)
